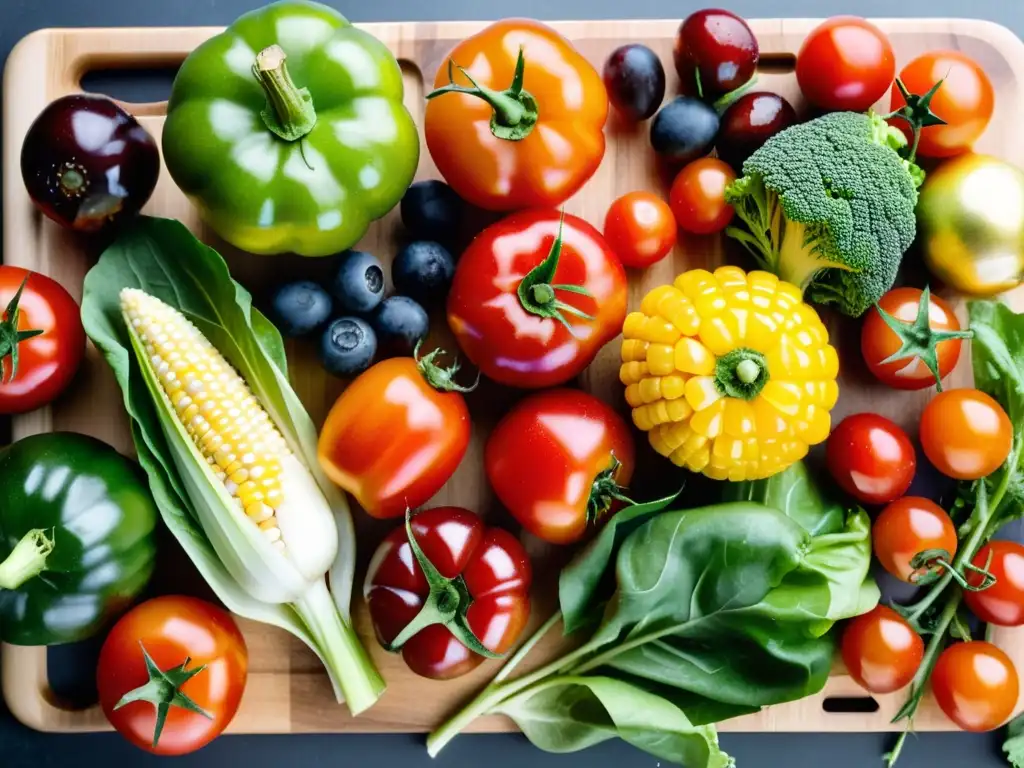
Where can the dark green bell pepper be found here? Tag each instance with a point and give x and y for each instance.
(288, 131)
(76, 537)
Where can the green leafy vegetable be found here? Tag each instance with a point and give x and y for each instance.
(1013, 746)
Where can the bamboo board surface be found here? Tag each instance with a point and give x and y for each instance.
(287, 690)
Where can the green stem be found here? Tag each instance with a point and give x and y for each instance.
(516, 658)
(347, 660)
(289, 113)
(27, 560)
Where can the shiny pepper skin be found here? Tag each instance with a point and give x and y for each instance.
(730, 373)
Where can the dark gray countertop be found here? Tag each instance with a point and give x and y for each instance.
(22, 748)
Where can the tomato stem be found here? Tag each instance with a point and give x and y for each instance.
(27, 560)
(441, 379)
(11, 337)
(604, 491)
(289, 113)
(917, 112)
(515, 110)
(163, 691)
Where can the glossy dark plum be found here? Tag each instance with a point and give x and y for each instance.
(347, 346)
(299, 308)
(87, 163)
(635, 81)
(358, 282)
(684, 129)
(750, 122)
(399, 323)
(431, 211)
(718, 47)
(423, 270)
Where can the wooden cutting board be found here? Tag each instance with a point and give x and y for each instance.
(287, 689)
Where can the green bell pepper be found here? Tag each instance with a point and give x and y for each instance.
(288, 131)
(76, 537)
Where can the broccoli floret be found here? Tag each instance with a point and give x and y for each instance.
(828, 205)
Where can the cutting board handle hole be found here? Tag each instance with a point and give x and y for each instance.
(849, 705)
(776, 63)
(129, 85)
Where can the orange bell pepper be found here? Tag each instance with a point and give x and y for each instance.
(534, 143)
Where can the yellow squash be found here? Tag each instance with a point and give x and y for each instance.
(730, 374)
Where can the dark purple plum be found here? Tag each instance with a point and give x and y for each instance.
(750, 122)
(715, 52)
(635, 81)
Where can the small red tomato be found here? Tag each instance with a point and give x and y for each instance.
(846, 63)
(171, 631)
(881, 650)
(1002, 603)
(906, 528)
(535, 298)
(698, 196)
(965, 100)
(871, 458)
(879, 342)
(558, 461)
(965, 434)
(976, 685)
(47, 360)
(474, 581)
(640, 229)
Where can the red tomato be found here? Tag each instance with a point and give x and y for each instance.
(495, 574)
(698, 196)
(172, 630)
(976, 685)
(396, 435)
(878, 341)
(846, 63)
(47, 361)
(516, 305)
(640, 229)
(965, 434)
(965, 100)
(871, 458)
(557, 460)
(1002, 603)
(908, 527)
(881, 650)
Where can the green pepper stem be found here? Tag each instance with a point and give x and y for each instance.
(289, 113)
(27, 560)
(741, 373)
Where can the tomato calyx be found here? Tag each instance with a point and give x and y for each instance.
(515, 110)
(163, 691)
(11, 337)
(917, 112)
(537, 293)
(741, 373)
(932, 562)
(918, 339)
(447, 603)
(289, 113)
(440, 378)
(605, 491)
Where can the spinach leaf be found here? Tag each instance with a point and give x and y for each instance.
(795, 494)
(586, 583)
(570, 713)
(997, 352)
(1013, 746)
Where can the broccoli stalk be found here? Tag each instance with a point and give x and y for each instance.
(829, 206)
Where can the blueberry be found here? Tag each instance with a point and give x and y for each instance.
(400, 322)
(423, 271)
(431, 210)
(347, 346)
(684, 129)
(358, 282)
(300, 308)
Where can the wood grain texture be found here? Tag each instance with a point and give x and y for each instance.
(287, 690)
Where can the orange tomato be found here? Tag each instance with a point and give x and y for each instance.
(503, 149)
(698, 196)
(881, 651)
(976, 685)
(965, 434)
(906, 528)
(640, 229)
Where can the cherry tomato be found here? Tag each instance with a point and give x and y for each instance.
(878, 341)
(1003, 602)
(965, 434)
(871, 458)
(698, 196)
(511, 311)
(396, 435)
(715, 52)
(486, 566)
(846, 63)
(965, 100)
(558, 460)
(640, 229)
(47, 361)
(173, 630)
(881, 650)
(908, 527)
(976, 685)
